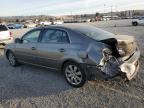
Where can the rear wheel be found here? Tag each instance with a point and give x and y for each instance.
(134, 23)
(74, 74)
(12, 60)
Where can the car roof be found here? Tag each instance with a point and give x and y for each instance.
(68, 26)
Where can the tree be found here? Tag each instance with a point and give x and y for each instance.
(97, 17)
(23, 20)
(17, 20)
(1, 21)
(122, 14)
(97, 14)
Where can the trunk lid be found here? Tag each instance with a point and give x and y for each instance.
(127, 43)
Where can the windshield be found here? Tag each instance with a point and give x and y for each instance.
(94, 33)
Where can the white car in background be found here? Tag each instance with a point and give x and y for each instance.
(45, 23)
(30, 25)
(58, 22)
(138, 21)
(5, 35)
(88, 20)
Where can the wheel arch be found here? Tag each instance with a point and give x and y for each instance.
(135, 22)
(81, 64)
(67, 61)
(7, 51)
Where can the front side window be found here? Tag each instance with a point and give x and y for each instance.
(31, 37)
(55, 36)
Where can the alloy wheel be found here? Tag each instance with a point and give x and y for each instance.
(73, 74)
(11, 59)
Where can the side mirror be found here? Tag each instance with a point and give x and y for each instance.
(17, 40)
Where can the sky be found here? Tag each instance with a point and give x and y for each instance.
(65, 7)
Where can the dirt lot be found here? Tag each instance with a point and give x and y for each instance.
(33, 87)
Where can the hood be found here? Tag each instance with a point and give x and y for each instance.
(10, 46)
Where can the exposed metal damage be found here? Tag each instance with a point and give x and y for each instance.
(119, 58)
(109, 64)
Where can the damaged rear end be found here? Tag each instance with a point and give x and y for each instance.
(119, 57)
(110, 55)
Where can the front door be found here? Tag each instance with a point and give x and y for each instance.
(27, 50)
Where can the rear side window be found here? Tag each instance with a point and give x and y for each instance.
(94, 33)
(55, 36)
(3, 28)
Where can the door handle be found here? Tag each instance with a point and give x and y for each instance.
(33, 48)
(62, 50)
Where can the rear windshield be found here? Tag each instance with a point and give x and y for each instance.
(3, 28)
(94, 33)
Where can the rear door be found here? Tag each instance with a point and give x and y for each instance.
(27, 50)
(53, 47)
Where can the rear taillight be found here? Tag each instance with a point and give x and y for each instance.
(10, 33)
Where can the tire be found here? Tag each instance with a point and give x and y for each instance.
(135, 24)
(74, 74)
(12, 60)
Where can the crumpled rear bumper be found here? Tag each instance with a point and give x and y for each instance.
(128, 69)
(131, 66)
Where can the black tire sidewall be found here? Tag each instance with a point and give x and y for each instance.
(135, 23)
(82, 71)
(14, 59)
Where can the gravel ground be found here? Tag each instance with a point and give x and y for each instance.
(34, 87)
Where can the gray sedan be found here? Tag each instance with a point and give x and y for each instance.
(80, 52)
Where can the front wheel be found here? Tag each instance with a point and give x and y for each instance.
(74, 74)
(12, 60)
